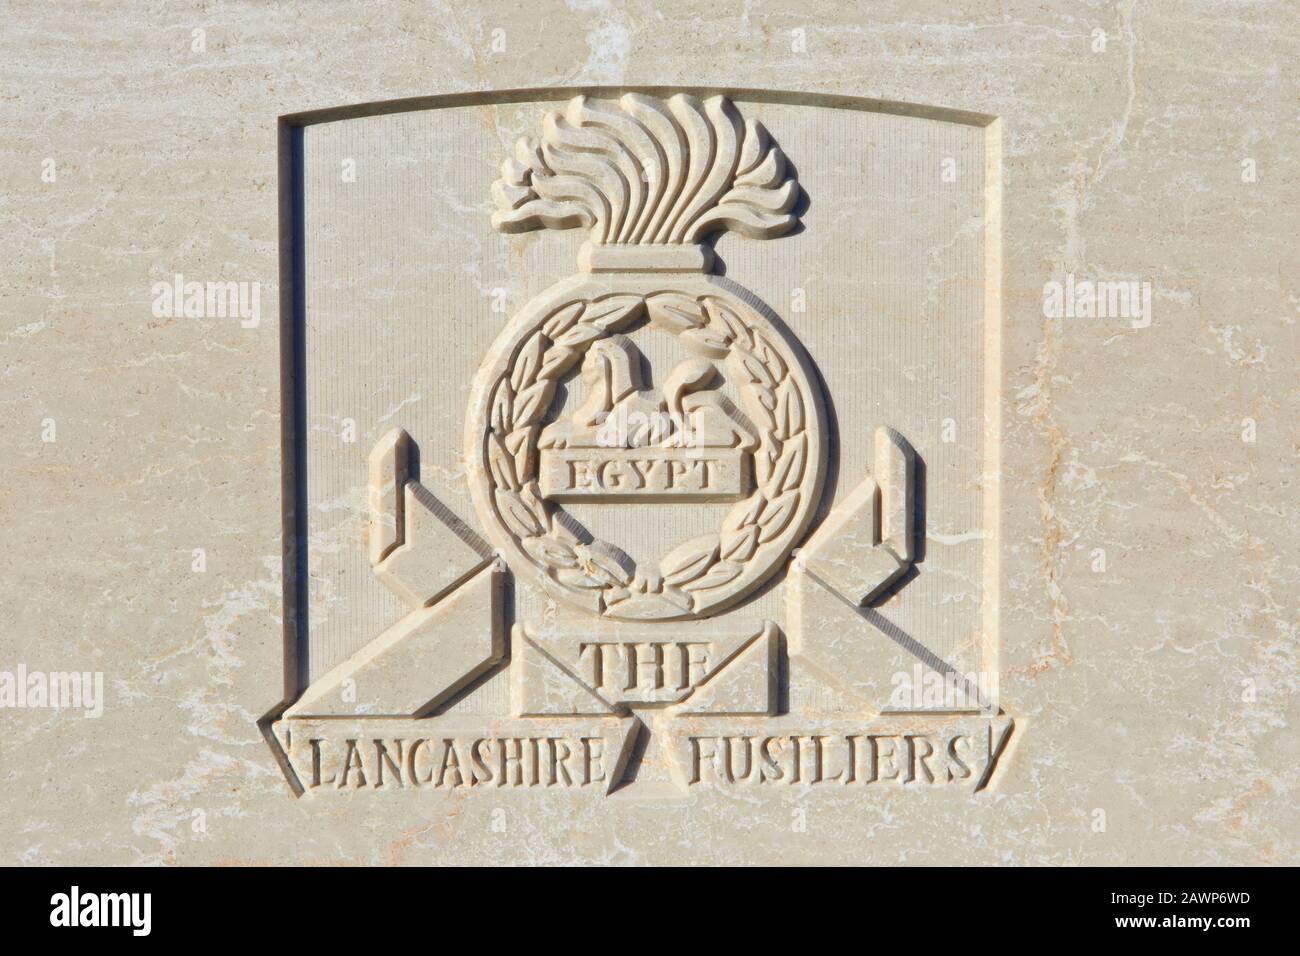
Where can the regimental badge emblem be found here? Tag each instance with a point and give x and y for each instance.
(736, 418)
(641, 529)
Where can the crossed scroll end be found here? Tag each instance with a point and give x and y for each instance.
(866, 544)
(418, 548)
(861, 551)
(453, 632)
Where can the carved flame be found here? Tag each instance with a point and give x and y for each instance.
(645, 171)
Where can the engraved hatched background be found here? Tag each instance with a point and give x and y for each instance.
(400, 271)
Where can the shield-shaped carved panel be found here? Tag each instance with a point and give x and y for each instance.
(635, 420)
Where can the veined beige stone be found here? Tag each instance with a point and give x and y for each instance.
(588, 320)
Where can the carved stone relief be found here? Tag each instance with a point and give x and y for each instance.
(562, 626)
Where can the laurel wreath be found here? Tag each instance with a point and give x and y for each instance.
(521, 397)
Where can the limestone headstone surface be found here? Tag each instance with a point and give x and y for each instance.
(610, 433)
